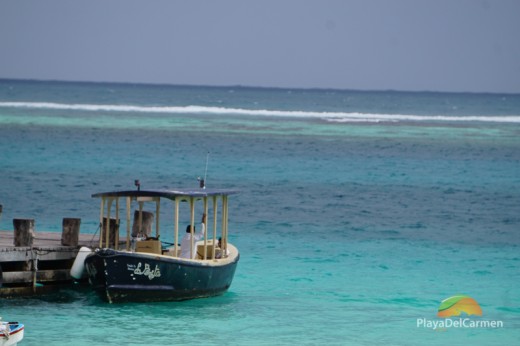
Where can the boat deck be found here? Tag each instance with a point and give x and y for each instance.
(42, 239)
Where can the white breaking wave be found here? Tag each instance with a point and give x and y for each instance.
(329, 116)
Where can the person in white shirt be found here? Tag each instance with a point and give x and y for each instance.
(186, 240)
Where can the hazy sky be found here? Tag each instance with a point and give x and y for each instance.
(435, 45)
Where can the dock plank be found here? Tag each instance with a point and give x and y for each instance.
(46, 247)
(46, 239)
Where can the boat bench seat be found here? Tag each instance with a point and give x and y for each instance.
(209, 251)
(149, 246)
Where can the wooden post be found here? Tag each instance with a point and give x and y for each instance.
(114, 228)
(70, 232)
(139, 220)
(146, 228)
(23, 232)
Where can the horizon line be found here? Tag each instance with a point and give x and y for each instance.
(2, 79)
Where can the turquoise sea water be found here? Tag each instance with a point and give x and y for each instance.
(359, 212)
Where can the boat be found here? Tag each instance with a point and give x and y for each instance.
(11, 333)
(142, 268)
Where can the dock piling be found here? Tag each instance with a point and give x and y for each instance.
(113, 230)
(70, 231)
(23, 232)
(142, 223)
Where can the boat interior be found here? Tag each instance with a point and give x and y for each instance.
(213, 246)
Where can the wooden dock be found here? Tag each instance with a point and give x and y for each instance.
(38, 268)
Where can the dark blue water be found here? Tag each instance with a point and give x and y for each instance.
(359, 212)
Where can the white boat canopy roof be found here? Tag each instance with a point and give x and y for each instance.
(168, 193)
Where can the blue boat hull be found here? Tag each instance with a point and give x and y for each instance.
(120, 276)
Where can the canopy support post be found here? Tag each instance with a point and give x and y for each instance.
(192, 225)
(101, 214)
(116, 236)
(206, 226)
(128, 207)
(215, 210)
(224, 225)
(176, 229)
(107, 228)
(157, 212)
